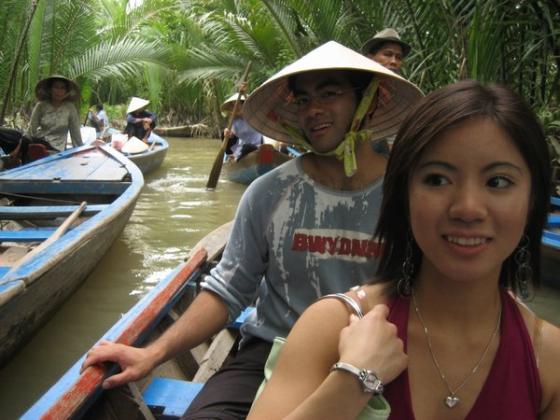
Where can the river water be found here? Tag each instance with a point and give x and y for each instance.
(173, 213)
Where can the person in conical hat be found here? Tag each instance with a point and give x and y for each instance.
(279, 107)
(302, 230)
(139, 121)
(56, 114)
(387, 48)
(242, 138)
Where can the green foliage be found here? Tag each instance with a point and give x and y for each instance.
(186, 56)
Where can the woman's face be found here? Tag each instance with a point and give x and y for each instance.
(59, 90)
(469, 201)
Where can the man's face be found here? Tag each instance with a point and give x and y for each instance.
(390, 55)
(326, 102)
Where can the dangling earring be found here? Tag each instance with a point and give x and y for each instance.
(523, 271)
(404, 286)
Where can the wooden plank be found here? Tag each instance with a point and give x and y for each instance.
(216, 354)
(73, 187)
(46, 212)
(26, 235)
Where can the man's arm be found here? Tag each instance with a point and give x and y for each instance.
(205, 317)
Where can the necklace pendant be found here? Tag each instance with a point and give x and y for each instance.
(451, 400)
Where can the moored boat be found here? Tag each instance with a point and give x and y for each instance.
(254, 164)
(59, 215)
(167, 390)
(551, 246)
(152, 158)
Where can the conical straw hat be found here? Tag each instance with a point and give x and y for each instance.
(43, 93)
(269, 106)
(134, 145)
(228, 104)
(136, 104)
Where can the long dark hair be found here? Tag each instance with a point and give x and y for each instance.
(428, 120)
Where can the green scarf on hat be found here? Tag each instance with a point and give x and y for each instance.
(346, 150)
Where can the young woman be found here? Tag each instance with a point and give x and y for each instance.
(444, 334)
(56, 114)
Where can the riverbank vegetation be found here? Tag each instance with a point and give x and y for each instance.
(186, 55)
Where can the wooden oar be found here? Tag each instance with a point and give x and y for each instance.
(61, 230)
(218, 161)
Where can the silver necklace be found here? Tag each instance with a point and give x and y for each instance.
(451, 400)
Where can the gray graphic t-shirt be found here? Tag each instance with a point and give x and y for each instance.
(293, 241)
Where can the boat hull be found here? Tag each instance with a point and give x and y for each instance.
(31, 292)
(79, 395)
(551, 247)
(151, 159)
(254, 164)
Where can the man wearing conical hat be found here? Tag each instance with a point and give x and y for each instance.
(139, 121)
(301, 231)
(387, 48)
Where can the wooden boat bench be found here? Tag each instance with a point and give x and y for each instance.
(26, 235)
(46, 212)
(169, 398)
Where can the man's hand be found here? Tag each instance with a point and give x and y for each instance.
(135, 362)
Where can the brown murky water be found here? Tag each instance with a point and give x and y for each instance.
(174, 211)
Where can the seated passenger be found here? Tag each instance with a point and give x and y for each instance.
(445, 335)
(139, 121)
(56, 114)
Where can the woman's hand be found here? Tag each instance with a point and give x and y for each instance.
(372, 343)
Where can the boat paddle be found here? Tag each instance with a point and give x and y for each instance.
(61, 230)
(219, 160)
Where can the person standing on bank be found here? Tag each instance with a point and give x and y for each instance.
(98, 119)
(56, 114)
(301, 230)
(445, 334)
(139, 121)
(387, 48)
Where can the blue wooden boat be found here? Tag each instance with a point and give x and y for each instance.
(551, 246)
(168, 390)
(147, 160)
(254, 164)
(58, 217)
(152, 158)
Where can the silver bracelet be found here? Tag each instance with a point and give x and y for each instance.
(369, 381)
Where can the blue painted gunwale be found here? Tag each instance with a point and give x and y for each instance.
(150, 160)
(551, 247)
(73, 395)
(68, 381)
(30, 293)
(551, 238)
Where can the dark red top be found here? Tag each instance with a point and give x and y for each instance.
(512, 389)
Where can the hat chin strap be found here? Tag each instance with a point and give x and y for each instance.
(346, 149)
